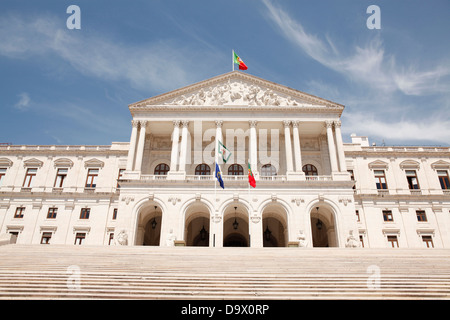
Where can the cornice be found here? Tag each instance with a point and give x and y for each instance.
(156, 102)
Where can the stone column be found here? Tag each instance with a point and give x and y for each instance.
(140, 147)
(297, 148)
(253, 147)
(340, 146)
(218, 138)
(184, 143)
(132, 150)
(175, 140)
(288, 146)
(331, 146)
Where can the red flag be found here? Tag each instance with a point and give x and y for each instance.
(251, 178)
(239, 61)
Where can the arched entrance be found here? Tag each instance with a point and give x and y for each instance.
(197, 225)
(149, 225)
(323, 227)
(235, 226)
(274, 226)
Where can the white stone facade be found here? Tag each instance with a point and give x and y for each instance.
(311, 190)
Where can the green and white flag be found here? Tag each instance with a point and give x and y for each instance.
(226, 154)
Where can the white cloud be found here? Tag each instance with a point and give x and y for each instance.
(367, 64)
(434, 129)
(159, 65)
(24, 101)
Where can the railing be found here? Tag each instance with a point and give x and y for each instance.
(318, 178)
(153, 177)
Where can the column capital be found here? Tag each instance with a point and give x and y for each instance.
(143, 123)
(295, 124)
(219, 123)
(185, 123)
(134, 123)
(252, 123)
(328, 124)
(337, 123)
(286, 123)
(176, 123)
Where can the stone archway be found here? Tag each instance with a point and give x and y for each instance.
(274, 226)
(148, 231)
(197, 225)
(236, 226)
(323, 226)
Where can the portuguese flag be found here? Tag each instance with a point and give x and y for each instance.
(239, 61)
(251, 178)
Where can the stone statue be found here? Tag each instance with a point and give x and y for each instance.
(351, 241)
(170, 239)
(122, 238)
(302, 242)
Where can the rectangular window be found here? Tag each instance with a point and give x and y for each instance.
(387, 215)
(411, 176)
(85, 213)
(79, 238)
(393, 241)
(443, 179)
(46, 236)
(114, 217)
(91, 180)
(380, 179)
(421, 215)
(2, 175)
(60, 177)
(361, 239)
(111, 238)
(121, 171)
(19, 212)
(352, 177)
(51, 214)
(357, 216)
(31, 173)
(428, 241)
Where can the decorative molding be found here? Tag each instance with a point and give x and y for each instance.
(93, 163)
(33, 163)
(63, 163)
(5, 162)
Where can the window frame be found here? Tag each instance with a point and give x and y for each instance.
(202, 170)
(444, 179)
(47, 236)
(268, 170)
(161, 169)
(421, 216)
(85, 213)
(378, 179)
(312, 169)
(80, 237)
(19, 213)
(91, 179)
(52, 212)
(428, 240)
(388, 216)
(29, 176)
(393, 240)
(2, 174)
(410, 176)
(235, 169)
(62, 179)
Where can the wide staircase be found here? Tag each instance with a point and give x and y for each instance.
(116, 272)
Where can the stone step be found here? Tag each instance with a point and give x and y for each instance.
(40, 272)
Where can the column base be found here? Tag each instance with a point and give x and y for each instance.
(340, 176)
(176, 175)
(295, 176)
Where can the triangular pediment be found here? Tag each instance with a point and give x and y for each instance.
(237, 89)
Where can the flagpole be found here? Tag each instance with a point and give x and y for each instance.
(232, 58)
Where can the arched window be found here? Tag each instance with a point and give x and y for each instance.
(309, 170)
(202, 170)
(161, 169)
(268, 170)
(235, 170)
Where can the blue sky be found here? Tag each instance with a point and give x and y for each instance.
(61, 86)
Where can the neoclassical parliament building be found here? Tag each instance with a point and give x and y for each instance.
(160, 188)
